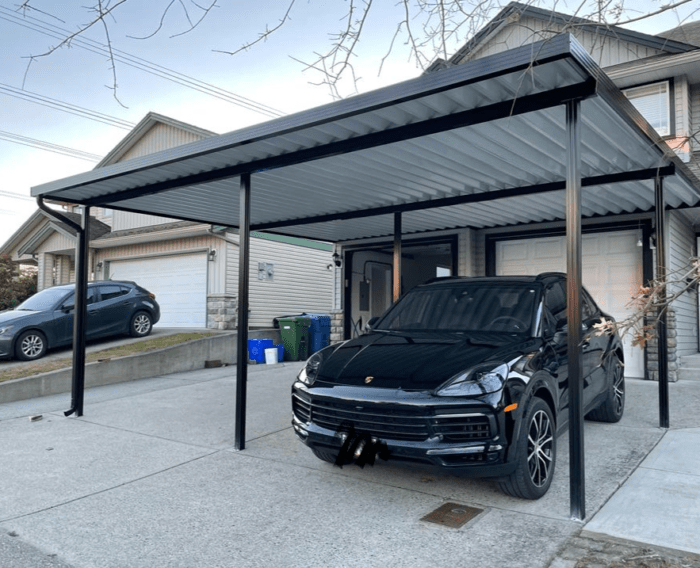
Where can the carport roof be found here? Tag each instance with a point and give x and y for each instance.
(478, 145)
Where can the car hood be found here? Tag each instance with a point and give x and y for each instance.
(11, 316)
(417, 361)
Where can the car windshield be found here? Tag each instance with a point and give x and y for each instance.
(43, 300)
(477, 306)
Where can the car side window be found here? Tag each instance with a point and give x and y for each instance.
(69, 304)
(555, 307)
(112, 291)
(589, 309)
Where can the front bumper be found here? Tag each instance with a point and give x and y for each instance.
(457, 434)
(6, 342)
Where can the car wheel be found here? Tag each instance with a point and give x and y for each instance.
(325, 455)
(141, 324)
(30, 345)
(613, 407)
(536, 457)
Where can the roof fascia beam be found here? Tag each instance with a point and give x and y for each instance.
(637, 175)
(504, 109)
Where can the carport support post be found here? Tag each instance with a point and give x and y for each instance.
(661, 324)
(243, 286)
(577, 477)
(397, 257)
(80, 316)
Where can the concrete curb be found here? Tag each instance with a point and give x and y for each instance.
(175, 359)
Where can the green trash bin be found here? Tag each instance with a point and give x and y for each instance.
(295, 337)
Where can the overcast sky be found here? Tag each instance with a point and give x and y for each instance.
(267, 74)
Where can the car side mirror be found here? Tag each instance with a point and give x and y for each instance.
(370, 323)
(67, 308)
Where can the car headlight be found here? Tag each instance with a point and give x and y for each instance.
(6, 329)
(310, 371)
(485, 379)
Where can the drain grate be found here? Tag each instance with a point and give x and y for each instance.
(452, 515)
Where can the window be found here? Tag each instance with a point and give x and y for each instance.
(654, 103)
(112, 291)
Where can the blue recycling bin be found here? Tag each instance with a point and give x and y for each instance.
(319, 331)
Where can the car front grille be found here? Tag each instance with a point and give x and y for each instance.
(392, 421)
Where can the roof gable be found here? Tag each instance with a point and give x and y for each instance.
(147, 136)
(536, 24)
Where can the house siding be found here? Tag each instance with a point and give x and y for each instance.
(160, 248)
(302, 281)
(606, 51)
(159, 137)
(682, 247)
(57, 242)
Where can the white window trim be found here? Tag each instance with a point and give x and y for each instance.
(633, 92)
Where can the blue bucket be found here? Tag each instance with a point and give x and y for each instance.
(256, 349)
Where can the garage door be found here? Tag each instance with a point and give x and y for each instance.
(612, 273)
(179, 283)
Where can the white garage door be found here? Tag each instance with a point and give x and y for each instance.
(179, 283)
(612, 273)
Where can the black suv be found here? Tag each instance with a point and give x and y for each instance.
(462, 373)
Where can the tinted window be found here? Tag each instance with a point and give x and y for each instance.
(112, 291)
(468, 307)
(70, 302)
(555, 301)
(43, 300)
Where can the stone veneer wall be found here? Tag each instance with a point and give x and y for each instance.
(653, 352)
(337, 326)
(222, 310)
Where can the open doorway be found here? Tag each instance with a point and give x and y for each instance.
(369, 275)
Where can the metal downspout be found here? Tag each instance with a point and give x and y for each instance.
(80, 313)
(243, 288)
(577, 477)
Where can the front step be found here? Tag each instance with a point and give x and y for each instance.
(690, 368)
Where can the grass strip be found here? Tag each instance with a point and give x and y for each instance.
(30, 369)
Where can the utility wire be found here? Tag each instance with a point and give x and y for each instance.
(49, 147)
(137, 62)
(12, 195)
(65, 107)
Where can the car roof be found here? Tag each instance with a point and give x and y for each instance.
(71, 286)
(543, 278)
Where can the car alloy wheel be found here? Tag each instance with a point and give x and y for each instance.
(31, 345)
(536, 454)
(613, 407)
(540, 456)
(140, 324)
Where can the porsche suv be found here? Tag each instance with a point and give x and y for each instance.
(467, 374)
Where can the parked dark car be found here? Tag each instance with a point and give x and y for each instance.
(45, 320)
(467, 374)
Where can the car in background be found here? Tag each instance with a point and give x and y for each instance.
(468, 374)
(45, 320)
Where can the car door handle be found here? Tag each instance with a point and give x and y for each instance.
(92, 312)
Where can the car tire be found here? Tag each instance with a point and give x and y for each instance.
(613, 407)
(31, 345)
(141, 324)
(536, 454)
(324, 455)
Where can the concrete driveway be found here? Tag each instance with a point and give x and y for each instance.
(148, 478)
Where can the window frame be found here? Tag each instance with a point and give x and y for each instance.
(670, 106)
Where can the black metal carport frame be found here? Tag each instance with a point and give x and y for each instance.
(180, 183)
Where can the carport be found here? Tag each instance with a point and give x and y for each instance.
(533, 134)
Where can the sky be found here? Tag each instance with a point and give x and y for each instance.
(79, 78)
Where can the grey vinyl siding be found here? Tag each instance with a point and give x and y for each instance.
(607, 51)
(681, 248)
(695, 126)
(302, 281)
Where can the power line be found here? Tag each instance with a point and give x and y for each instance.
(12, 195)
(49, 147)
(65, 107)
(138, 63)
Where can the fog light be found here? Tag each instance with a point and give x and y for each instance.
(360, 447)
